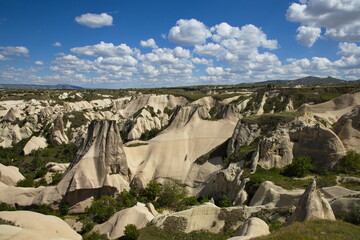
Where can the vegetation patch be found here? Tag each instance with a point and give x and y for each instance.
(316, 230)
(154, 233)
(218, 151)
(232, 218)
(175, 224)
(137, 144)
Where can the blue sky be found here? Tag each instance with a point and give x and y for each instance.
(121, 44)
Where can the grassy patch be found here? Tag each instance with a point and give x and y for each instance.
(154, 233)
(316, 230)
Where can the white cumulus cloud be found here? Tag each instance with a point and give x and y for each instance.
(307, 36)
(150, 43)
(95, 20)
(103, 49)
(39, 63)
(340, 18)
(189, 32)
(14, 51)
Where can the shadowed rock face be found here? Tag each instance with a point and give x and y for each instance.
(321, 144)
(99, 166)
(348, 129)
(312, 205)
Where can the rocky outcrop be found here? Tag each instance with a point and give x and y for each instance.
(321, 144)
(57, 167)
(10, 175)
(348, 129)
(312, 205)
(58, 135)
(275, 150)
(172, 153)
(274, 196)
(100, 165)
(32, 225)
(114, 228)
(34, 143)
(244, 134)
(227, 182)
(343, 208)
(252, 228)
(12, 115)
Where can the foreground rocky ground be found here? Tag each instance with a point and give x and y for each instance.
(207, 164)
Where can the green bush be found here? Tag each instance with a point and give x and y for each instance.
(151, 191)
(224, 201)
(102, 209)
(172, 195)
(355, 214)
(127, 199)
(300, 167)
(27, 182)
(350, 163)
(131, 232)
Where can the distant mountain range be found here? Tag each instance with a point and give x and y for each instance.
(309, 81)
(305, 81)
(34, 86)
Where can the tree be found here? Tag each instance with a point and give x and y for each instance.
(224, 201)
(102, 209)
(172, 195)
(300, 167)
(151, 191)
(131, 232)
(350, 163)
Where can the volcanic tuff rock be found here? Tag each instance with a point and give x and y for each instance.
(244, 134)
(252, 228)
(227, 182)
(348, 129)
(172, 153)
(34, 143)
(58, 135)
(312, 205)
(321, 144)
(10, 175)
(275, 150)
(32, 225)
(100, 165)
(343, 208)
(114, 228)
(274, 196)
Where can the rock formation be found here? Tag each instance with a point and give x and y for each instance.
(34, 143)
(100, 165)
(312, 205)
(32, 225)
(114, 228)
(58, 135)
(343, 208)
(10, 175)
(321, 144)
(348, 129)
(274, 196)
(244, 134)
(252, 228)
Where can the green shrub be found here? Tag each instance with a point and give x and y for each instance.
(6, 207)
(27, 182)
(224, 201)
(172, 195)
(127, 199)
(350, 163)
(300, 167)
(151, 191)
(102, 209)
(131, 232)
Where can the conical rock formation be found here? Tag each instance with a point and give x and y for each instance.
(99, 167)
(312, 205)
(58, 134)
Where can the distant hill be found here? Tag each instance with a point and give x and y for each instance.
(308, 81)
(34, 86)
